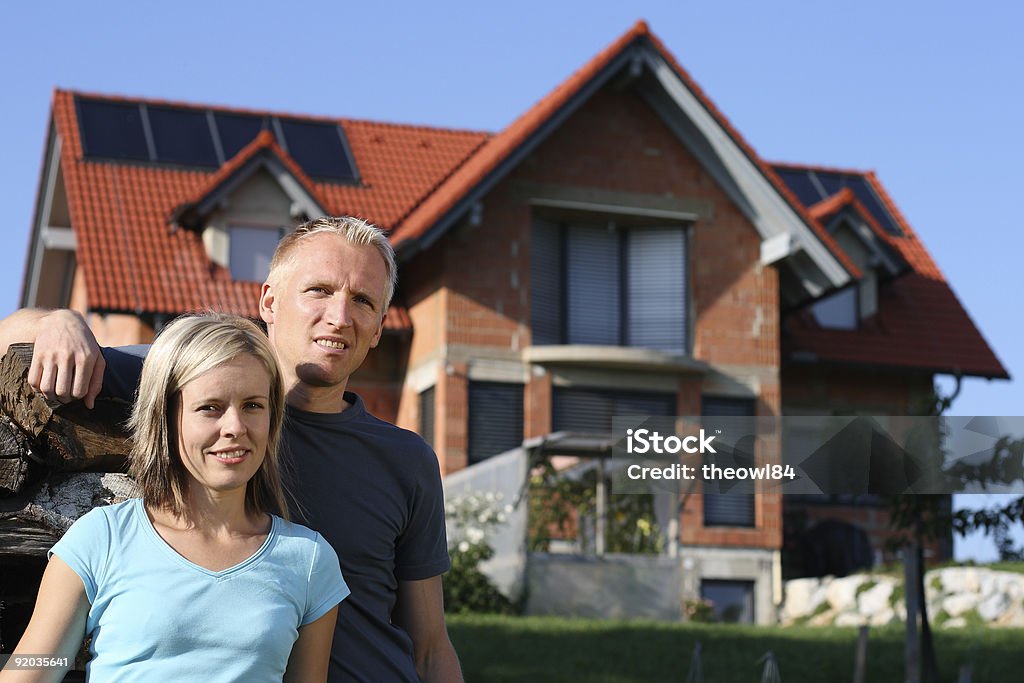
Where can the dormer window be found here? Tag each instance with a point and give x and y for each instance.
(838, 311)
(250, 250)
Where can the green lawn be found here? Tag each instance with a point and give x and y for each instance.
(545, 649)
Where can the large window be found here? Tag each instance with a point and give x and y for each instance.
(609, 285)
(495, 419)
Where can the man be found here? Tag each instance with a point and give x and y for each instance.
(371, 489)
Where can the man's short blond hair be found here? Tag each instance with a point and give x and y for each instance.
(355, 231)
(186, 348)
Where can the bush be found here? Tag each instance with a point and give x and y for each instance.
(472, 519)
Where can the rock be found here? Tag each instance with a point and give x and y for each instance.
(842, 593)
(883, 617)
(802, 597)
(875, 599)
(992, 607)
(957, 605)
(955, 622)
(849, 619)
(959, 579)
(824, 619)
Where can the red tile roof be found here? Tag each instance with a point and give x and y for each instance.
(134, 261)
(920, 323)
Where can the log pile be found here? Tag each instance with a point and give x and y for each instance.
(56, 461)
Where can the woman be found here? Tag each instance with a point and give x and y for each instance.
(195, 580)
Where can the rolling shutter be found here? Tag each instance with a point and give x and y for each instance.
(593, 267)
(729, 509)
(495, 419)
(656, 289)
(546, 282)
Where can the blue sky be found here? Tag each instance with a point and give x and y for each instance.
(925, 93)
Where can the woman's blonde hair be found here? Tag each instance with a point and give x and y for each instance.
(186, 348)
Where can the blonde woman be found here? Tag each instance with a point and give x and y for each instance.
(197, 580)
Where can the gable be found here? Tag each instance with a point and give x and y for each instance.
(637, 61)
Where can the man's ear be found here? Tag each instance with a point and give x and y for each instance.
(267, 303)
(380, 330)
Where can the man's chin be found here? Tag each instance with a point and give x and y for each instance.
(314, 375)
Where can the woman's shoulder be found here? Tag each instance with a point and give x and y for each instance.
(299, 538)
(113, 515)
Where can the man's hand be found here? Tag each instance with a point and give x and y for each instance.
(67, 363)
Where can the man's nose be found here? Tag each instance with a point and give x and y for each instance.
(339, 312)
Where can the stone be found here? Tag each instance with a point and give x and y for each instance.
(842, 593)
(802, 597)
(955, 622)
(875, 599)
(883, 617)
(992, 607)
(849, 619)
(957, 605)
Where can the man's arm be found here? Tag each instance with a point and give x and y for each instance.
(67, 363)
(420, 612)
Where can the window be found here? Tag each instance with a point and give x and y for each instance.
(733, 509)
(495, 419)
(609, 285)
(250, 250)
(837, 311)
(731, 601)
(427, 416)
(591, 410)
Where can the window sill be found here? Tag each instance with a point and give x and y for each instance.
(615, 357)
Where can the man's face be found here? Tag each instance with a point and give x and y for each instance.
(324, 310)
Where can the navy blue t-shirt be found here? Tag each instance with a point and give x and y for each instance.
(373, 490)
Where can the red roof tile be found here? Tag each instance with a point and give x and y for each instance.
(920, 323)
(827, 208)
(133, 260)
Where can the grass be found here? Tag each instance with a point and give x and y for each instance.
(548, 649)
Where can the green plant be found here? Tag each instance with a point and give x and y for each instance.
(864, 587)
(701, 611)
(561, 506)
(466, 589)
(898, 593)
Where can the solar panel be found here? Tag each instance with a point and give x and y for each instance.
(799, 182)
(870, 200)
(112, 130)
(318, 149)
(237, 130)
(182, 136)
(190, 137)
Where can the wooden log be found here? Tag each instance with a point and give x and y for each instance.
(69, 437)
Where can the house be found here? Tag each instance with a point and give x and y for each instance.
(618, 249)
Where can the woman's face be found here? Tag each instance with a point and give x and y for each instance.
(223, 424)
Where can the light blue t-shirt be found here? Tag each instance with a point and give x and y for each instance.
(155, 616)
